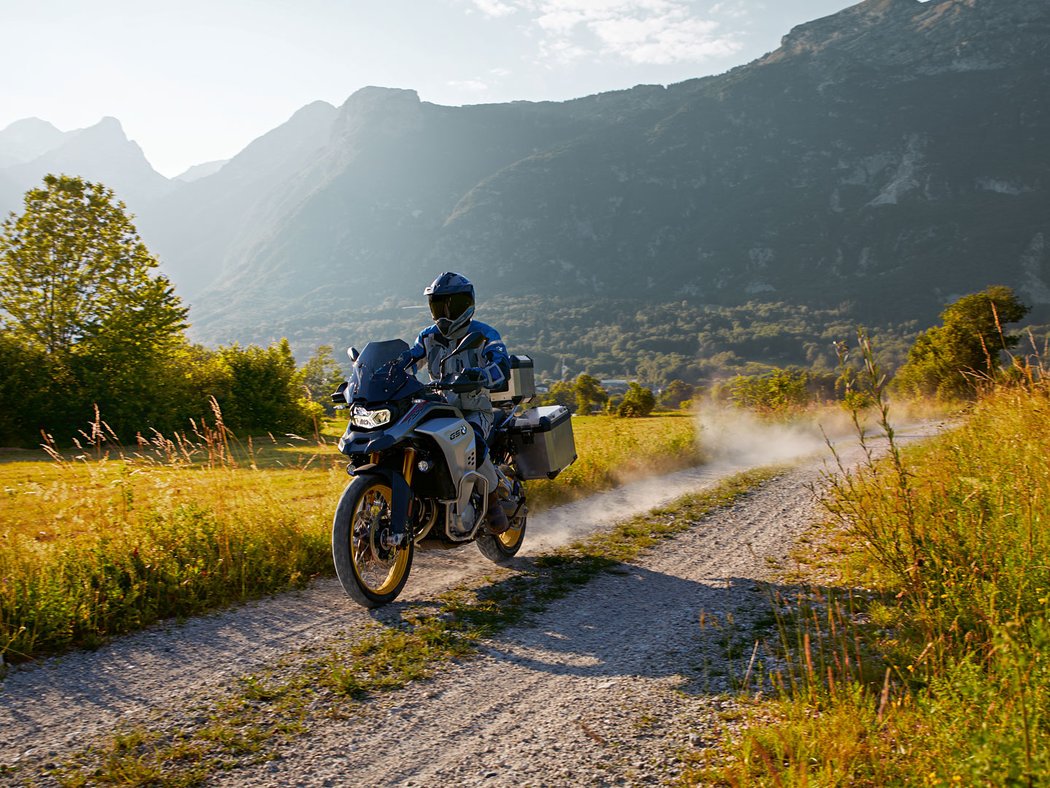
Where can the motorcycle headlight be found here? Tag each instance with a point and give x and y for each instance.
(370, 419)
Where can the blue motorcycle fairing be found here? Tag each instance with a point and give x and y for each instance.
(377, 377)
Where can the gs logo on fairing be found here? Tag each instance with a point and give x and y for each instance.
(458, 433)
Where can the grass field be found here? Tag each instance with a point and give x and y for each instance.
(110, 539)
(928, 662)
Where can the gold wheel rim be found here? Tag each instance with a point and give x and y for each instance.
(378, 575)
(510, 537)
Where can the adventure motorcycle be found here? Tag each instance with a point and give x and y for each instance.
(414, 465)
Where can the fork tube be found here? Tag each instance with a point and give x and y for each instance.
(409, 465)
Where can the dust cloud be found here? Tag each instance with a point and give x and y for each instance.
(729, 441)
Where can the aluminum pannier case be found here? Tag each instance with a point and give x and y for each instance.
(542, 442)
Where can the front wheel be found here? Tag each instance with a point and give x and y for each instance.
(371, 571)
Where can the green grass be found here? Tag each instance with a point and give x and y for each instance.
(935, 668)
(108, 539)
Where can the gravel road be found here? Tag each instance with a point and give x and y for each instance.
(608, 686)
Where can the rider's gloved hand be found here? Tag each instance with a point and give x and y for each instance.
(404, 360)
(473, 375)
(469, 380)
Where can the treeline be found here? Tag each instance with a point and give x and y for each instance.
(86, 322)
(653, 343)
(950, 361)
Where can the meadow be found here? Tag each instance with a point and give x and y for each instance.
(108, 539)
(923, 658)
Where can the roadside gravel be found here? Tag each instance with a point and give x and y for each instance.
(609, 685)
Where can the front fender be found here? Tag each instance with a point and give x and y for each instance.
(401, 495)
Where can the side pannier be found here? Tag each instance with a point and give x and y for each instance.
(542, 442)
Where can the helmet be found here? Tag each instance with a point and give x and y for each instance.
(451, 299)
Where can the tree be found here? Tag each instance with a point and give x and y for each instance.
(589, 393)
(321, 376)
(560, 393)
(73, 270)
(78, 286)
(638, 401)
(947, 360)
(264, 389)
(677, 394)
(778, 391)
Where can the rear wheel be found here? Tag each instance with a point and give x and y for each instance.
(371, 570)
(500, 548)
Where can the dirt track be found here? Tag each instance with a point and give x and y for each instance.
(609, 685)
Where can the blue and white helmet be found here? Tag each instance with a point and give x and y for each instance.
(451, 299)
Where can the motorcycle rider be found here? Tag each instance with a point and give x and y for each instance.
(451, 300)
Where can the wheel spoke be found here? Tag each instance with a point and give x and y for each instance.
(379, 568)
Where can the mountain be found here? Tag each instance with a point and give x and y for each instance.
(100, 153)
(26, 139)
(881, 162)
(198, 171)
(199, 225)
(890, 157)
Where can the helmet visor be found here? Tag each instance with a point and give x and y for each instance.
(450, 306)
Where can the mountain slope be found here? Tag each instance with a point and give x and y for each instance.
(889, 155)
(100, 153)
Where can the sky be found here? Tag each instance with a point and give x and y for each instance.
(197, 80)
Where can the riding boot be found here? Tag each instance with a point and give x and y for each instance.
(497, 521)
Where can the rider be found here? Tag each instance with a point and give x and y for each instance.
(451, 299)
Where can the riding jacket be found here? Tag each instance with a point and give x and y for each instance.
(491, 359)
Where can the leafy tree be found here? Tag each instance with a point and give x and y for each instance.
(777, 391)
(321, 376)
(677, 393)
(74, 272)
(589, 393)
(947, 360)
(78, 287)
(263, 389)
(638, 401)
(560, 393)
(24, 387)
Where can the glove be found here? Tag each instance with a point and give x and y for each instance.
(473, 375)
(469, 380)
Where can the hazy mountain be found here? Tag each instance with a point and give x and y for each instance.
(100, 153)
(891, 155)
(26, 139)
(198, 171)
(196, 227)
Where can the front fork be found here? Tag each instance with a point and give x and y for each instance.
(402, 499)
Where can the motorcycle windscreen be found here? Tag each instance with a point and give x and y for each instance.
(377, 378)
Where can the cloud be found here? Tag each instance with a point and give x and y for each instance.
(494, 8)
(640, 31)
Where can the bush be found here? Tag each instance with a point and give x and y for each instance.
(638, 401)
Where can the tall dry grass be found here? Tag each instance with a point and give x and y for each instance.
(931, 665)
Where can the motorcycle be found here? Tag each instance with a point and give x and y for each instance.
(414, 465)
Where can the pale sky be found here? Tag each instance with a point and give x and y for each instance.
(197, 80)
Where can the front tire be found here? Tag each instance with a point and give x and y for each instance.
(371, 572)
